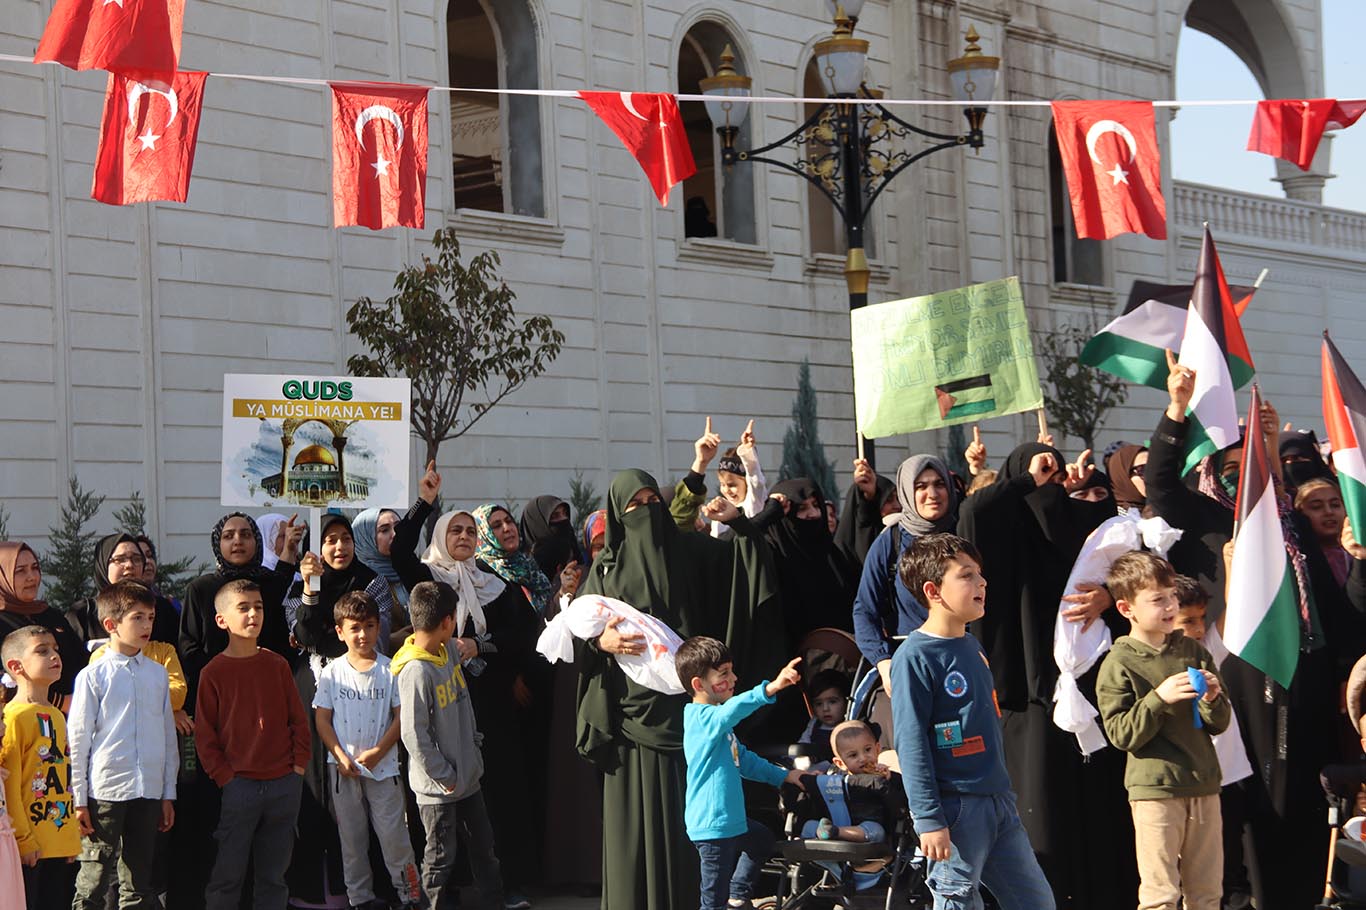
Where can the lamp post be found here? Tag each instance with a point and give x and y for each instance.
(851, 151)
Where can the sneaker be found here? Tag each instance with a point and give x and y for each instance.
(515, 901)
(825, 829)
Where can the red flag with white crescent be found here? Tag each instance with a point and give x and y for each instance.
(1291, 128)
(147, 139)
(379, 154)
(1114, 172)
(122, 35)
(649, 125)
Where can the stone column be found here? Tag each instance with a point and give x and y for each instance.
(288, 440)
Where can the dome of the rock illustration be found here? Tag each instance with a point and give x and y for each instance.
(314, 455)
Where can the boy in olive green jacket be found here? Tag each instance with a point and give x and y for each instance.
(1164, 717)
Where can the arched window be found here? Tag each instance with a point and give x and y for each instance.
(717, 203)
(495, 139)
(1076, 260)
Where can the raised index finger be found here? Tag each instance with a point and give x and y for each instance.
(976, 434)
(1171, 359)
(708, 431)
(1083, 458)
(293, 518)
(749, 427)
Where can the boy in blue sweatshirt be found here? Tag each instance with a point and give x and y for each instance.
(732, 847)
(948, 740)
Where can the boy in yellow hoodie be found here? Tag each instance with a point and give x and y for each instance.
(38, 785)
(436, 722)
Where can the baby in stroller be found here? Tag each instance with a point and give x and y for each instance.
(853, 845)
(861, 797)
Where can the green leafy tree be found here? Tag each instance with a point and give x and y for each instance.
(584, 498)
(803, 453)
(450, 328)
(66, 565)
(1077, 396)
(172, 577)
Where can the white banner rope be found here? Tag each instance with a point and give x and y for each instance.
(756, 99)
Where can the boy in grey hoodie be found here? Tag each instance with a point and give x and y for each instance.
(444, 761)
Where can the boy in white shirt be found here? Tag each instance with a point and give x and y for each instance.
(357, 720)
(124, 755)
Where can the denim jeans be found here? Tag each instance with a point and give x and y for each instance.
(470, 820)
(989, 847)
(256, 823)
(731, 865)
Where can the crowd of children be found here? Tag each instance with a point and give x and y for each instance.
(384, 724)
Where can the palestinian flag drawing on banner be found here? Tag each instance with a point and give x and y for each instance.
(1344, 414)
(1133, 345)
(965, 397)
(1262, 622)
(1212, 345)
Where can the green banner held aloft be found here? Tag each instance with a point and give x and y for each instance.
(933, 361)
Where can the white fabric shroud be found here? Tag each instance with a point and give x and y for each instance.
(1076, 651)
(586, 617)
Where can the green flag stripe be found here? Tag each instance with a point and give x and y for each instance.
(1198, 444)
(1274, 647)
(1353, 498)
(968, 408)
(1128, 359)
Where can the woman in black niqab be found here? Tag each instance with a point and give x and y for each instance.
(861, 519)
(816, 579)
(698, 586)
(1030, 531)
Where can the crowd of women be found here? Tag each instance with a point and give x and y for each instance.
(584, 771)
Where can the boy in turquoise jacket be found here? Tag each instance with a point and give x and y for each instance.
(732, 847)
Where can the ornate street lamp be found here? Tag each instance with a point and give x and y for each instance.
(851, 151)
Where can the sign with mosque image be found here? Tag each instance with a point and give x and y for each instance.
(315, 441)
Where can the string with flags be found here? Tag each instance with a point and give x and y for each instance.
(1109, 148)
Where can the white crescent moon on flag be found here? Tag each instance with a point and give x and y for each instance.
(630, 108)
(1100, 128)
(378, 112)
(137, 89)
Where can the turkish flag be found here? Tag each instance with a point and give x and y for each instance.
(379, 154)
(140, 35)
(1291, 128)
(649, 125)
(1114, 174)
(147, 138)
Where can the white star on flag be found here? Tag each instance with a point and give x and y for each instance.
(119, 2)
(149, 140)
(1119, 175)
(381, 166)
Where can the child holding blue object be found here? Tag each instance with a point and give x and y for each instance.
(948, 740)
(1154, 709)
(732, 847)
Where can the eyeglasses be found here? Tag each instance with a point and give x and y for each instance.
(126, 560)
(1138, 469)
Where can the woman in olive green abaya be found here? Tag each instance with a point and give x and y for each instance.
(698, 586)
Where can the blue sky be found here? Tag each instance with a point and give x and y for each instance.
(1208, 143)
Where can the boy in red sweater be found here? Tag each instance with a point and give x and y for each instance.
(253, 740)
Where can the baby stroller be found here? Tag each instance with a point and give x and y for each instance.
(1345, 887)
(821, 874)
(818, 874)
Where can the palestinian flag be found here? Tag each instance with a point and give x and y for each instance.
(1344, 413)
(1212, 345)
(1262, 619)
(1134, 345)
(964, 397)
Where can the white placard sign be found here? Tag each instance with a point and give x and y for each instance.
(315, 441)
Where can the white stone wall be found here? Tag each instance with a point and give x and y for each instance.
(118, 323)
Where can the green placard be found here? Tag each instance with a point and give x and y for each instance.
(941, 359)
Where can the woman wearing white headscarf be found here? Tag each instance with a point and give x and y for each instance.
(496, 628)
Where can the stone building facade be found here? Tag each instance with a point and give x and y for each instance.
(118, 323)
